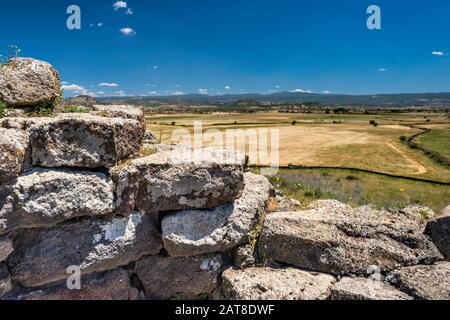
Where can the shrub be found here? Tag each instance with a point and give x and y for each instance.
(351, 178)
(2, 109)
(374, 123)
(45, 109)
(75, 109)
(294, 122)
(403, 138)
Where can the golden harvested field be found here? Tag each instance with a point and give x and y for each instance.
(320, 139)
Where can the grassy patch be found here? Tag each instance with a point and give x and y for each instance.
(3, 109)
(75, 109)
(307, 185)
(437, 140)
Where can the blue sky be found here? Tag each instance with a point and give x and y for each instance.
(218, 47)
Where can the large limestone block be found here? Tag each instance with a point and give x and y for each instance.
(276, 284)
(439, 231)
(119, 111)
(341, 240)
(44, 197)
(5, 280)
(23, 123)
(110, 285)
(178, 178)
(423, 282)
(194, 232)
(187, 278)
(6, 247)
(83, 140)
(14, 153)
(365, 289)
(28, 82)
(43, 256)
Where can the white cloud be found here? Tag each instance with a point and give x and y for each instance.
(108, 84)
(153, 93)
(327, 92)
(438, 53)
(120, 5)
(277, 87)
(100, 24)
(129, 11)
(382, 69)
(72, 87)
(100, 92)
(128, 32)
(301, 91)
(177, 93)
(203, 91)
(227, 87)
(155, 67)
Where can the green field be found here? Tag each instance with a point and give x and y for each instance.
(358, 189)
(437, 140)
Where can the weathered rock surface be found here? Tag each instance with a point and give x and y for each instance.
(110, 285)
(419, 210)
(44, 197)
(119, 111)
(244, 256)
(446, 212)
(5, 280)
(439, 231)
(83, 140)
(43, 256)
(6, 247)
(339, 240)
(14, 153)
(22, 123)
(126, 180)
(177, 178)
(188, 278)
(365, 289)
(286, 204)
(28, 82)
(423, 282)
(150, 138)
(195, 232)
(276, 284)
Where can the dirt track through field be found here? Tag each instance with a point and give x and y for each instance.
(420, 169)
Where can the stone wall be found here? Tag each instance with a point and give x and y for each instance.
(86, 193)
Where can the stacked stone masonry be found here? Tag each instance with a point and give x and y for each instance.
(190, 224)
(89, 194)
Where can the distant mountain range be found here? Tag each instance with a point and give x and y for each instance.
(386, 100)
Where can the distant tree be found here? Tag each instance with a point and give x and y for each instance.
(341, 111)
(294, 122)
(374, 123)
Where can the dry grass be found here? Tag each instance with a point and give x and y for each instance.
(315, 140)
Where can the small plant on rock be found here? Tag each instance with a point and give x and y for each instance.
(3, 109)
(75, 109)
